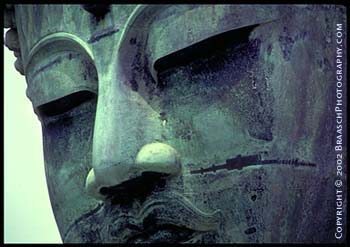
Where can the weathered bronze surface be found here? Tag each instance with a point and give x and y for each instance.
(183, 123)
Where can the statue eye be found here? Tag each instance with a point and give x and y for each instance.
(221, 78)
(61, 83)
(65, 104)
(204, 48)
(199, 55)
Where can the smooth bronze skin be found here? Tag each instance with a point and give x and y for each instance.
(183, 123)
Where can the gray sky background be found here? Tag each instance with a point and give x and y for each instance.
(28, 217)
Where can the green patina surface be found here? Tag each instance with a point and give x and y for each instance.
(211, 82)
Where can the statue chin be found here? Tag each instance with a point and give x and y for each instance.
(183, 123)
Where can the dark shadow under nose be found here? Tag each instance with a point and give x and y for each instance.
(138, 188)
(153, 164)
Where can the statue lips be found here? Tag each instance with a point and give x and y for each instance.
(165, 217)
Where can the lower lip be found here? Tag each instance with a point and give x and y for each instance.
(168, 234)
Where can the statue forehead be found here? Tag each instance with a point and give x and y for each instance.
(36, 22)
(168, 28)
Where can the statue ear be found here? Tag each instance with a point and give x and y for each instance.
(11, 39)
(98, 10)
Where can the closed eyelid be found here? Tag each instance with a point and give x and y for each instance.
(204, 48)
(65, 103)
(61, 75)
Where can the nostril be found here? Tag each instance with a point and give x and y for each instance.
(154, 162)
(138, 188)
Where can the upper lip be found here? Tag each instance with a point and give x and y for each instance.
(164, 211)
(161, 211)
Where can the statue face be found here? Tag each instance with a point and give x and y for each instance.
(182, 123)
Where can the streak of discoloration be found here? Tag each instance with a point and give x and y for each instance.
(102, 34)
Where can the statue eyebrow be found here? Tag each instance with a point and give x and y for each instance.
(238, 162)
(205, 48)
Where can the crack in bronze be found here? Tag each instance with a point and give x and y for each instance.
(240, 161)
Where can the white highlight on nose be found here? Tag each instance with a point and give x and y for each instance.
(158, 157)
(153, 157)
(92, 188)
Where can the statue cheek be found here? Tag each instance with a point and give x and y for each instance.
(68, 156)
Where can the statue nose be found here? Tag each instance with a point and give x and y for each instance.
(154, 157)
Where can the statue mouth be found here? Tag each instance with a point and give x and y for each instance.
(165, 218)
